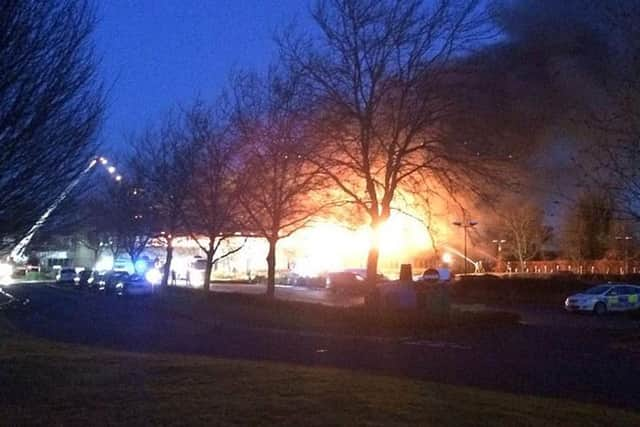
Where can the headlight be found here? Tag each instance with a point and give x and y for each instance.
(153, 276)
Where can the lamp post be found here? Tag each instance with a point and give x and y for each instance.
(499, 243)
(465, 225)
(625, 239)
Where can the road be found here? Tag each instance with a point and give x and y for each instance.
(579, 363)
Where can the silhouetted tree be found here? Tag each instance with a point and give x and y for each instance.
(162, 163)
(131, 219)
(587, 227)
(280, 187)
(611, 161)
(50, 104)
(382, 77)
(524, 230)
(213, 203)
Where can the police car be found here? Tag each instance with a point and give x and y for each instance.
(604, 298)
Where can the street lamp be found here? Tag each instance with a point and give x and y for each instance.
(626, 251)
(465, 225)
(499, 243)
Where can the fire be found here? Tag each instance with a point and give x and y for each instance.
(327, 246)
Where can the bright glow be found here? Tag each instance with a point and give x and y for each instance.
(6, 270)
(140, 266)
(180, 264)
(104, 263)
(324, 248)
(196, 277)
(401, 234)
(103, 160)
(118, 178)
(447, 258)
(328, 247)
(111, 169)
(153, 276)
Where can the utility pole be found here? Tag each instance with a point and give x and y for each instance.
(465, 225)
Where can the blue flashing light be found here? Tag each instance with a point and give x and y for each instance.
(140, 266)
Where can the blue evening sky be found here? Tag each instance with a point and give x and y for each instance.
(156, 53)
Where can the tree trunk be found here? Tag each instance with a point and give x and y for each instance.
(271, 268)
(206, 280)
(166, 269)
(374, 254)
(372, 265)
(96, 256)
(372, 299)
(134, 259)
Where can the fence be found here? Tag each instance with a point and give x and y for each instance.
(577, 267)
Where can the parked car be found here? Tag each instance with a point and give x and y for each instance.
(82, 278)
(363, 273)
(346, 282)
(96, 281)
(66, 275)
(114, 281)
(294, 279)
(604, 298)
(137, 284)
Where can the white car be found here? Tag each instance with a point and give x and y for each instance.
(66, 275)
(604, 298)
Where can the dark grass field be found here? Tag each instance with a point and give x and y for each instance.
(263, 312)
(48, 383)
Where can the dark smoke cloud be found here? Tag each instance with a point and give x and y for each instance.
(540, 83)
(556, 62)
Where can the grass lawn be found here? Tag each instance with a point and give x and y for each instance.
(48, 383)
(262, 312)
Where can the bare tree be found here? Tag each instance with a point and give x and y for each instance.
(50, 104)
(381, 73)
(524, 230)
(611, 160)
(279, 185)
(587, 227)
(94, 231)
(213, 203)
(162, 162)
(131, 217)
